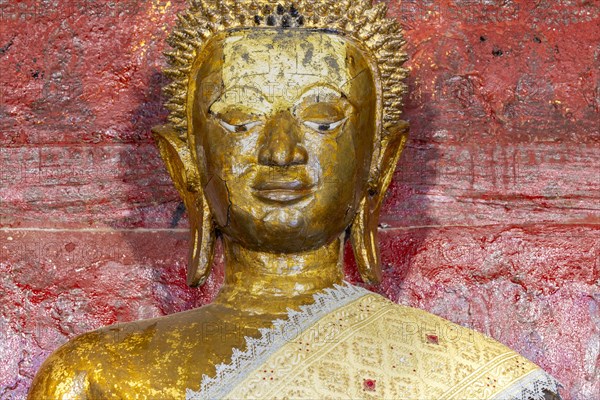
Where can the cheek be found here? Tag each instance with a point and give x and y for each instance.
(214, 143)
(349, 160)
(346, 153)
(228, 155)
(334, 159)
(363, 134)
(226, 164)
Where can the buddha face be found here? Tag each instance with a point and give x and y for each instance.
(283, 123)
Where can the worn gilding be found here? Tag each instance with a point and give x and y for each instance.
(283, 136)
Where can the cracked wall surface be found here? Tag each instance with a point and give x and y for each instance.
(492, 219)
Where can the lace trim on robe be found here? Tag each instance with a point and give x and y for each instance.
(532, 386)
(228, 376)
(481, 368)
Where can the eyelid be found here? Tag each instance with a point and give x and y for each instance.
(335, 111)
(329, 126)
(243, 127)
(238, 128)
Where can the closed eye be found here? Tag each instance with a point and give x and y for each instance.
(236, 121)
(239, 128)
(324, 127)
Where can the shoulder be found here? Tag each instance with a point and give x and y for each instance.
(424, 330)
(65, 374)
(74, 369)
(463, 359)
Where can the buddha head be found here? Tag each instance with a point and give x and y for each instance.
(285, 126)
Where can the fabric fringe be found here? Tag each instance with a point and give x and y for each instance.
(531, 387)
(228, 376)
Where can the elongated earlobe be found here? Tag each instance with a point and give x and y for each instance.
(177, 157)
(363, 236)
(363, 233)
(202, 243)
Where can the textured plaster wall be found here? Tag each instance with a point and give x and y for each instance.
(492, 220)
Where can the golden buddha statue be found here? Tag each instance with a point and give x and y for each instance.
(283, 136)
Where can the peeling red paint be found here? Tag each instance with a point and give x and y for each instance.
(492, 220)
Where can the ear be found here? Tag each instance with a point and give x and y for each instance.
(363, 233)
(389, 153)
(184, 172)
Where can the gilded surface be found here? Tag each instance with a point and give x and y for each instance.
(284, 133)
(283, 136)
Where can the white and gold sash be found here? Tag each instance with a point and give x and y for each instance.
(354, 344)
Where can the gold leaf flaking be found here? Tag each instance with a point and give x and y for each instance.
(359, 19)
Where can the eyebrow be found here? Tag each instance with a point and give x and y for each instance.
(240, 90)
(320, 88)
(333, 89)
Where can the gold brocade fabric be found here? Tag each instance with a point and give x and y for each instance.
(371, 348)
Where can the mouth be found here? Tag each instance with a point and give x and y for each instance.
(282, 191)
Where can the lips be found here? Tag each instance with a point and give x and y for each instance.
(282, 191)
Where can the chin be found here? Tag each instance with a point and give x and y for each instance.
(281, 230)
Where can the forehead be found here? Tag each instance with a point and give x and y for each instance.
(281, 61)
(270, 58)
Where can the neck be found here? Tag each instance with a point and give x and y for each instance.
(266, 283)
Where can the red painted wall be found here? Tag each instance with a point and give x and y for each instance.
(492, 221)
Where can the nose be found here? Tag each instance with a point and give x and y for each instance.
(282, 145)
